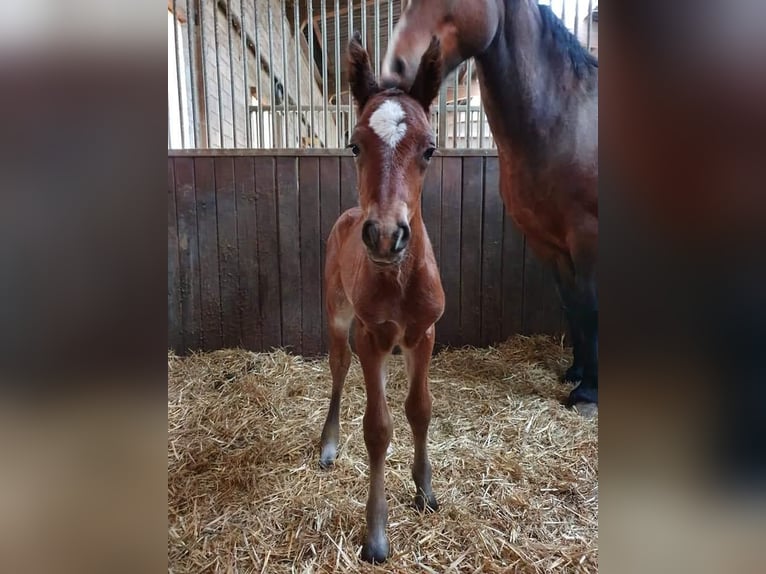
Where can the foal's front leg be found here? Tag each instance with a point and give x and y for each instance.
(378, 428)
(418, 409)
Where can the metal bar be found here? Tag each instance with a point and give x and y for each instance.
(350, 35)
(273, 79)
(178, 75)
(469, 112)
(258, 66)
(481, 119)
(338, 65)
(454, 109)
(564, 11)
(229, 25)
(576, 26)
(285, 76)
(377, 38)
(192, 82)
(364, 23)
(245, 50)
(203, 65)
(590, 22)
(297, 32)
(218, 73)
(325, 95)
(310, 30)
(442, 132)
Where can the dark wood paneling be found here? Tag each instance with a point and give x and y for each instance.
(329, 207)
(311, 257)
(348, 195)
(268, 251)
(247, 239)
(248, 299)
(175, 331)
(228, 258)
(289, 251)
(431, 201)
(513, 278)
(470, 251)
(188, 254)
(491, 257)
(448, 329)
(207, 221)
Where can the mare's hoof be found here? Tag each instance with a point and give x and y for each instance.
(424, 503)
(585, 400)
(573, 374)
(375, 551)
(328, 456)
(586, 410)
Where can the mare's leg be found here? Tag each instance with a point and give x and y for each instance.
(378, 428)
(340, 359)
(587, 317)
(562, 272)
(418, 409)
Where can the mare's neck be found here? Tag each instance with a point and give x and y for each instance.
(521, 82)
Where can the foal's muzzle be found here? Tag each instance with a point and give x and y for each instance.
(385, 246)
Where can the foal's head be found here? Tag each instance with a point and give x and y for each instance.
(392, 143)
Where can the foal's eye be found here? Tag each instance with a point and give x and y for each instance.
(429, 153)
(354, 149)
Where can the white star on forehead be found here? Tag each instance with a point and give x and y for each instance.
(388, 122)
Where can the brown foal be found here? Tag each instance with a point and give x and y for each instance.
(380, 271)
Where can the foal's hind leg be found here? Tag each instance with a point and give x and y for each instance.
(564, 277)
(340, 359)
(418, 409)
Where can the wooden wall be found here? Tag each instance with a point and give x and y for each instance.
(246, 240)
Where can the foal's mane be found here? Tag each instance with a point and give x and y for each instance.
(564, 43)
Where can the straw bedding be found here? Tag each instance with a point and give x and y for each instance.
(515, 473)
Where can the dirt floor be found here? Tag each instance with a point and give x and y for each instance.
(515, 473)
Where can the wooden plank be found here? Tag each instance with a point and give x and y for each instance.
(470, 251)
(542, 307)
(188, 254)
(247, 252)
(513, 278)
(228, 257)
(207, 228)
(348, 194)
(431, 201)
(268, 252)
(175, 331)
(289, 252)
(329, 208)
(448, 329)
(491, 257)
(311, 257)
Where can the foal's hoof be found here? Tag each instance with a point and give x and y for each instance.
(328, 456)
(573, 374)
(375, 551)
(424, 503)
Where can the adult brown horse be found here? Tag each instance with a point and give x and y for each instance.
(540, 91)
(381, 271)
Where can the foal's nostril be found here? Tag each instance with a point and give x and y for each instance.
(370, 234)
(400, 238)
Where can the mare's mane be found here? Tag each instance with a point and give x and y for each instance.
(563, 43)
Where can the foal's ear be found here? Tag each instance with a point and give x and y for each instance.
(429, 76)
(360, 76)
